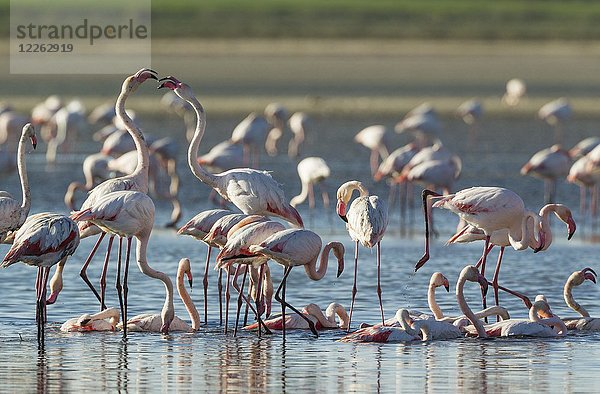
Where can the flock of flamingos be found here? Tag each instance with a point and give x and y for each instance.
(120, 207)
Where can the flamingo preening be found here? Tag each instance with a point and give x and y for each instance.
(252, 191)
(313, 312)
(96, 322)
(366, 221)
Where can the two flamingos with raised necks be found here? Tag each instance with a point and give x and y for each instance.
(499, 217)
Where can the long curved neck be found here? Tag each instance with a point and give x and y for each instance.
(524, 237)
(196, 168)
(433, 305)
(143, 160)
(317, 313)
(337, 309)
(545, 224)
(22, 168)
(142, 261)
(568, 296)
(187, 300)
(300, 198)
(318, 274)
(464, 307)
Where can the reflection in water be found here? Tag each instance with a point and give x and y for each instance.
(122, 366)
(42, 371)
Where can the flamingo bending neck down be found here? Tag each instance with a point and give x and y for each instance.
(314, 313)
(585, 322)
(12, 212)
(95, 322)
(153, 322)
(136, 181)
(385, 334)
(298, 247)
(252, 191)
(366, 222)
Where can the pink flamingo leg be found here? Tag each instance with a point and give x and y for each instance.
(125, 287)
(354, 289)
(495, 278)
(205, 284)
(83, 272)
(426, 194)
(245, 299)
(118, 285)
(483, 261)
(227, 296)
(241, 294)
(220, 288)
(379, 282)
(104, 270)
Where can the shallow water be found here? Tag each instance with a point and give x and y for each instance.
(211, 361)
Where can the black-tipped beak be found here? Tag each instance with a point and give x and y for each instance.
(484, 284)
(447, 287)
(84, 322)
(572, 227)
(34, 141)
(344, 218)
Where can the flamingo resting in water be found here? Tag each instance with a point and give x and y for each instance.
(314, 313)
(366, 222)
(385, 334)
(585, 322)
(95, 322)
(252, 191)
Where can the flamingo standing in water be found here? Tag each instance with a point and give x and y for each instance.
(198, 227)
(252, 191)
(312, 170)
(299, 123)
(374, 138)
(129, 214)
(95, 322)
(95, 170)
(366, 222)
(251, 132)
(12, 212)
(322, 321)
(548, 164)
(515, 90)
(276, 114)
(298, 247)
(556, 113)
(149, 322)
(137, 180)
(585, 322)
(582, 174)
(43, 240)
(471, 112)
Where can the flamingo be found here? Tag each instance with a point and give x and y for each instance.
(251, 132)
(298, 247)
(68, 121)
(276, 114)
(252, 191)
(312, 170)
(154, 322)
(128, 214)
(198, 227)
(585, 322)
(374, 138)
(298, 123)
(137, 180)
(548, 164)
(95, 170)
(424, 124)
(556, 113)
(43, 240)
(95, 322)
(102, 114)
(249, 231)
(386, 334)
(584, 147)
(366, 222)
(471, 112)
(42, 113)
(12, 212)
(433, 174)
(491, 209)
(179, 106)
(582, 174)
(11, 124)
(314, 313)
(515, 90)
(222, 157)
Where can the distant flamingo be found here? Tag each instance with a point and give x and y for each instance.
(548, 164)
(251, 132)
(95, 322)
(68, 121)
(95, 170)
(12, 212)
(366, 222)
(385, 334)
(312, 170)
(198, 227)
(515, 90)
(154, 322)
(299, 123)
(471, 112)
(102, 114)
(433, 174)
(425, 126)
(43, 240)
(11, 125)
(584, 147)
(314, 313)
(252, 191)
(556, 113)
(374, 138)
(582, 173)
(298, 247)
(276, 115)
(585, 322)
(222, 157)
(137, 180)
(128, 214)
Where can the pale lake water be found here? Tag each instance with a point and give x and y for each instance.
(210, 361)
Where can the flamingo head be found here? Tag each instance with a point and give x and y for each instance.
(183, 90)
(588, 274)
(438, 279)
(338, 251)
(472, 274)
(134, 81)
(29, 132)
(341, 210)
